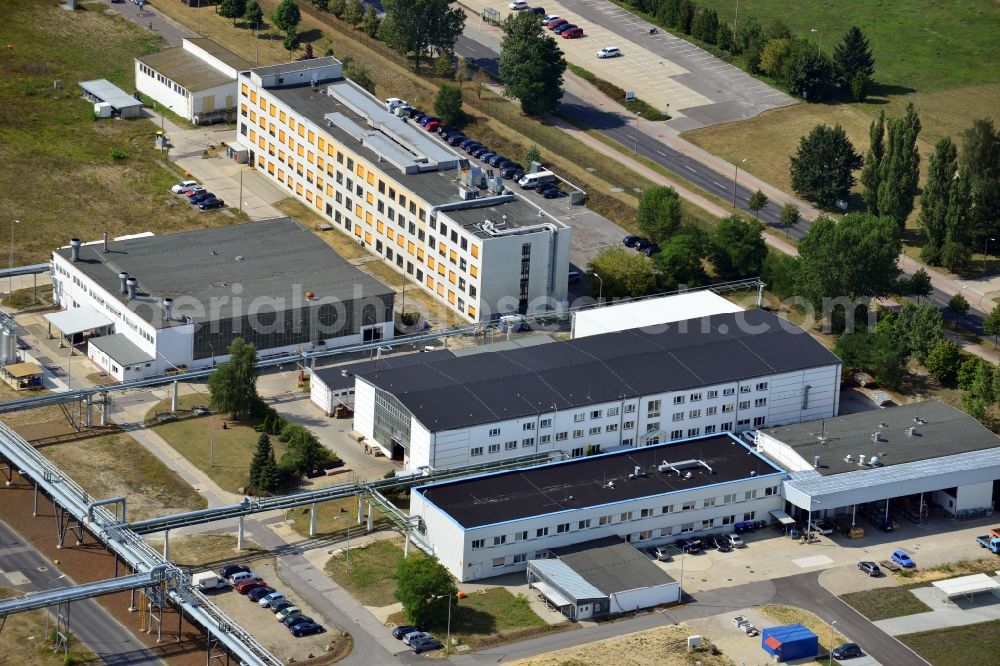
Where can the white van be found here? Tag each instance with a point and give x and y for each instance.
(207, 580)
(530, 181)
(609, 52)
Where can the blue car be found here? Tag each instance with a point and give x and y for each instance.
(902, 559)
(306, 629)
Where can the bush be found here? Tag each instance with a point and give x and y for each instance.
(118, 155)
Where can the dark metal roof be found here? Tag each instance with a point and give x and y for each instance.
(485, 388)
(941, 431)
(596, 480)
(612, 565)
(268, 259)
(333, 376)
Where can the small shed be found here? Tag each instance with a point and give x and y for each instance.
(103, 91)
(789, 642)
(20, 376)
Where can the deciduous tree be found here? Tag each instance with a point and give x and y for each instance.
(417, 26)
(944, 360)
(659, 214)
(292, 41)
(958, 305)
(624, 273)
(448, 103)
(789, 217)
(424, 586)
(900, 168)
(991, 324)
(823, 166)
(233, 385)
(737, 248)
(286, 16)
(757, 202)
(234, 9)
(531, 64)
(354, 12)
(371, 22)
(980, 157)
(680, 259)
(876, 353)
(253, 16)
(918, 328)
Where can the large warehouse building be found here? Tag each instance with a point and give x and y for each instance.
(728, 372)
(495, 523)
(887, 464)
(150, 303)
(403, 194)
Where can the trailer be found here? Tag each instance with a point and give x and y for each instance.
(207, 580)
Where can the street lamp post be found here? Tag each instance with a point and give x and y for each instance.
(447, 645)
(736, 176)
(49, 587)
(637, 116)
(832, 625)
(986, 250)
(600, 287)
(819, 40)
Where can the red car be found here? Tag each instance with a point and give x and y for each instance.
(197, 189)
(247, 585)
(572, 33)
(432, 125)
(552, 25)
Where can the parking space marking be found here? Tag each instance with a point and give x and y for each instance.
(814, 561)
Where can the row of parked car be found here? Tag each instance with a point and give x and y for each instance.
(197, 195)
(418, 639)
(245, 581)
(644, 245)
(562, 27)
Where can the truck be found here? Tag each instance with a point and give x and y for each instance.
(207, 580)
(990, 541)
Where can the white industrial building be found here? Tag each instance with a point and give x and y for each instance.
(650, 312)
(888, 464)
(729, 372)
(602, 577)
(148, 304)
(196, 80)
(495, 523)
(475, 246)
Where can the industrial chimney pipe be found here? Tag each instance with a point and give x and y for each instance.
(74, 244)
(123, 276)
(131, 284)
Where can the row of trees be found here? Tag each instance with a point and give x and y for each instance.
(796, 63)
(354, 13)
(285, 18)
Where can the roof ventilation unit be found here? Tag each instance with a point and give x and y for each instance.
(848, 458)
(168, 309)
(123, 277)
(131, 285)
(877, 436)
(816, 462)
(688, 475)
(610, 485)
(74, 247)
(861, 459)
(638, 471)
(873, 461)
(910, 431)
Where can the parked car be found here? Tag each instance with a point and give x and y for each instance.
(285, 612)
(518, 5)
(662, 553)
(537, 10)
(553, 193)
(260, 593)
(466, 142)
(821, 526)
(242, 576)
(549, 17)
(609, 52)
(496, 160)
(902, 559)
(479, 152)
(295, 619)
(427, 119)
(432, 125)
(273, 598)
(230, 569)
(279, 606)
(846, 651)
(413, 112)
(456, 139)
(689, 546)
(197, 189)
(426, 645)
(870, 568)
(630, 241)
(201, 196)
(415, 636)
(651, 249)
(246, 586)
(736, 541)
(572, 33)
(641, 243)
(511, 172)
(560, 29)
(306, 629)
(720, 542)
(209, 204)
(555, 23)
(485, 157)
(402, 630)
(184, 186)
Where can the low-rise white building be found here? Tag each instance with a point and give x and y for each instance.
(729, 372)
(651, 313)
(196, 80)
(495, 523)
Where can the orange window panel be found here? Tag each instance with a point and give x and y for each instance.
(253, 96)
(454, 255)
(391, 234)
(321, 144)
(371, 178)
(262, 123)
(409, 247)
(400, 241)
(309, 195)
(473, 271)
(262, 103)
(368, 237)
(291, 123)
(380, 227)
(320, 162)
(261, 143)
(298, 188)
(309, 174)
(420, 255)
(270, 168)
(319, 183)
(281, 176)
(451, 297)
(472, 311)
(440, 290)
(368, 218)
(243, 108)
(253, 116)
(330, 150)
(300, 150)
(452, 277)
(302, 130)
(270, 128)
(430, 263)
(357, 211)
(360, 170)
(442, 248)
(281, 155)
(475, 251)
(253, 136)
(312, 136)
(311, 156)
(357, 230)
(273, 111)
(430, 282)
(245, 89)
(281, 136)
(282, 117)
(319, 202)
(441, 270)
(370, 198)
(329, 190)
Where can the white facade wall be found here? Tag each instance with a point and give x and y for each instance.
(974, 496)
(164, 91)
(320, 395)
(453, 545)
(500, 281)
(632, 422)
(364, 409)
(645, 597)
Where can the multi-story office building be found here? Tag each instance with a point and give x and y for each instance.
(495, 523)
(402, 193)
(728, 372)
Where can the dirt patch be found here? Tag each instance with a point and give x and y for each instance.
(24, 643)
(915, 577)
(664, 646)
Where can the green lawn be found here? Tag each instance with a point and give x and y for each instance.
(919, 45)
(493, 617)
(883, 603)
(958, 646)
(332, 517)
(371, 576)
(62, 180)
(191, 436)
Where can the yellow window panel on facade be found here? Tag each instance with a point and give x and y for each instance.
(475, 251)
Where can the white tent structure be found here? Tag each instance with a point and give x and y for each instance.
(967, 586)
(77, 320)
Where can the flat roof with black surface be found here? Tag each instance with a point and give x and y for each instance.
(596, 480)
(612, 565)
(486, 388)
(939, 430)
(334, 379)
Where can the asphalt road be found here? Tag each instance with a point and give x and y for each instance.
(104, 635)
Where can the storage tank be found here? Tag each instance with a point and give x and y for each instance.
(8, 345)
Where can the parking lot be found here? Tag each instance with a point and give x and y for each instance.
(664, 70)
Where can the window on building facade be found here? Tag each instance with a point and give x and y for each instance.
(629, 408)
(712, 394)
(494, 432)
(583, 524)
(728, 391)
(528, 441)
(544, 439)
(476, 451)
(762, 386)
(676, 434)
(760, 402)
(628, 425)
(677, 416)
(498, 562)
(687, 506)
(709, 429)
(577, 418)
(694, 414)
(625, 515)
(528, 426)
(545, 423)
(478, 543)
(541, 531)
(759, 421)
(595, 414)
(494, 448)
(577, 434)
(694, 397)
(710, 411)
(596, 430)
(500, 540)
(562, 528)
(577, 452)
(612, 411)
(510, 446)
(749, 515)
(653, 408)
(694, 432)
(560, 436)
(709, 501)
(667, 508)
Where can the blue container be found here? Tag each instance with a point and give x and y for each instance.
(789, 642)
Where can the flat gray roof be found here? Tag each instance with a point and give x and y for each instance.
(189, 71)
(268, 259)
(121, 349)
(108, 92)
(519, 213)
(941, 430)
(611, 565)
